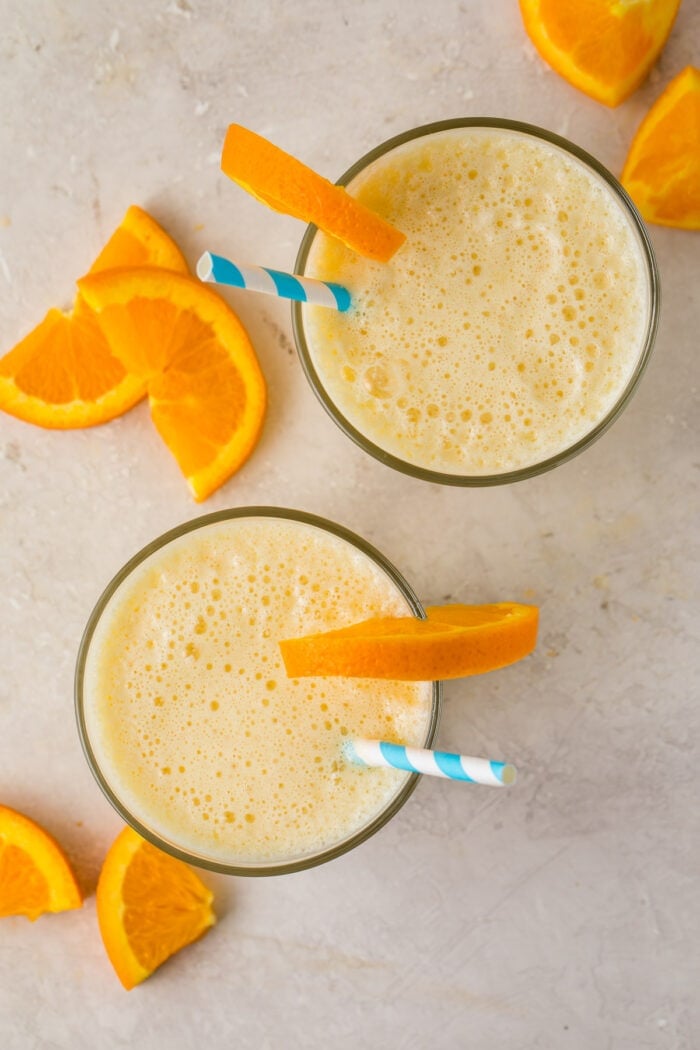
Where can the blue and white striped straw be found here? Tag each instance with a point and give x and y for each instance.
(433, 763)
(217, 270)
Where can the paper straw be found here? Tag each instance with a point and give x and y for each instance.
(217, 270)
(433, 763)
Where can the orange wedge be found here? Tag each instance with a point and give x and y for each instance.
(35, 876)
(63, 373)
(604, 48)
(286, 185)
(149, 906)
(205, 387)
(662, 170)
(454, 641)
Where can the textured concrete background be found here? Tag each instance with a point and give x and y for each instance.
(561, 913)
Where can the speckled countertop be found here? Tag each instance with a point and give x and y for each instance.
(559, 914)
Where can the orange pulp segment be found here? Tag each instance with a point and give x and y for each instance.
(604, 48)
(63, 373)
(285, 184)
(35, 876)
(454, 641)
(205, 388)
(149, 906)
(139, 241)
(662, 170)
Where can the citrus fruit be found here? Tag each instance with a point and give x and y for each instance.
(662, 170)
(454, 641)
(149, 906)
(205, 388)
(63, 373)
(286, 185)
(604, 48)
(35, 876)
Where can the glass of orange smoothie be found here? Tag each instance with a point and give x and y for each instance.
(188, 720)
(511, 328)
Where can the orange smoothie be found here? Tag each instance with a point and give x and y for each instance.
(190, 721)
(511, 325)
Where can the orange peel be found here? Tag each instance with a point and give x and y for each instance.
(286, 185)
(452, 642)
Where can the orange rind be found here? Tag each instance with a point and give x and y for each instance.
(453, 642)
(286, 185)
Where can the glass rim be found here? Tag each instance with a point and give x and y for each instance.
(646, 347)
(300, 863)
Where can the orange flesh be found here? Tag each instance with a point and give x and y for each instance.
(35, 876)
(63, 374)
(149, 906)
(662, 170)
(603, 47)
(205, 388)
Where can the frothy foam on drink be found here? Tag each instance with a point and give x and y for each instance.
(193, 721)
(509, 323)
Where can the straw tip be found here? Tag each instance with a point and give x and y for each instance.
(509, 774)
(349, 752)
(205, 266)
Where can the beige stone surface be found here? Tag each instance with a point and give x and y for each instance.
(560, 913)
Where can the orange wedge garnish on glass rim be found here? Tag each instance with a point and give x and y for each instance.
(285, 184)
(454, 641)
(35, 876)
(63, 373)
(205, 388)
(604, 48)
(149, 906)
(662, 170)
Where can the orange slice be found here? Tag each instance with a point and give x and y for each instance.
(454, 641)
(149, 906)
(662, 170)
(286, 185)
(205, 387)
(35, 876)
(604, 48)
(63, 373)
